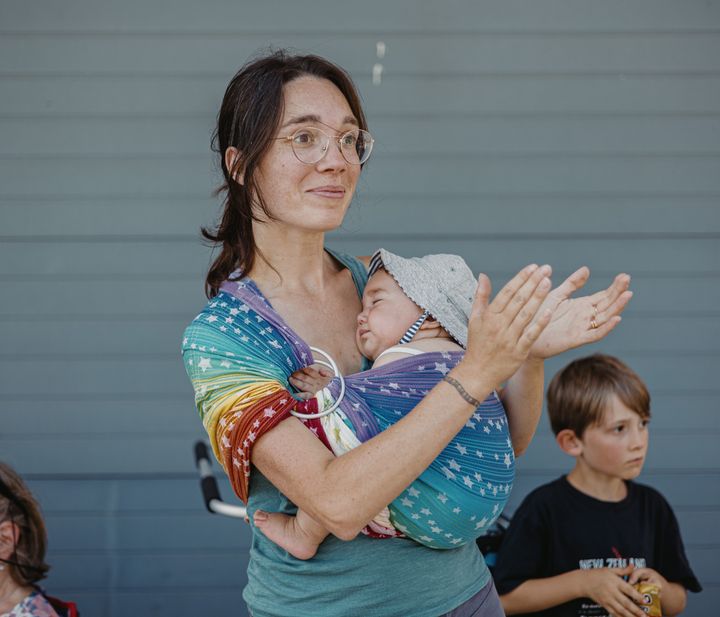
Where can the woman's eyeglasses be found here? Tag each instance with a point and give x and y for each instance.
(310, 145)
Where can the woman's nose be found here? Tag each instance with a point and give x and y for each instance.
(333, 159)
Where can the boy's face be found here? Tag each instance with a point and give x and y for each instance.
(387, 313)
(616, 447)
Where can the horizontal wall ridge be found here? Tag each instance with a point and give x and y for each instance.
(190, 435)
(172, 238)
(364, 194)
(361, 75)
(38, 158)
(165, 357)
(384, 115)
(185, 317)
(349, 32)
(219, 475)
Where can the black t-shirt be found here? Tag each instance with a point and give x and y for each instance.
(557, 529)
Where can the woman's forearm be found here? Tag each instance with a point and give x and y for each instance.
(344, 493)
(522, 398)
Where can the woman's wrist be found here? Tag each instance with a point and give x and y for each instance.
(535, 357)
(534, 361)
(473, 381)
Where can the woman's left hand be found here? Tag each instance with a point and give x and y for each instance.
(579, 321)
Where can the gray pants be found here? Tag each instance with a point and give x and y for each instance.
(485, 603)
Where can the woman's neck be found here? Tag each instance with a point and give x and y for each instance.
(292, 258)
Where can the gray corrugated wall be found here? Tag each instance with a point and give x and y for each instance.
(549, 130)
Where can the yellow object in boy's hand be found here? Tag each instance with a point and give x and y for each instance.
(651, 598)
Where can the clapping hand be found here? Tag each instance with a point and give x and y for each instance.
(579, 321)
(501, 332)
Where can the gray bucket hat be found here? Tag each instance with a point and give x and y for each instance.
(443, 285)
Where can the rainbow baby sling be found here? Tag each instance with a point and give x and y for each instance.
(239, 353)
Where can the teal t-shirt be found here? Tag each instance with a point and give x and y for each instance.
(366, 577)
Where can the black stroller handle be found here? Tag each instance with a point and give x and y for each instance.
(208, 485)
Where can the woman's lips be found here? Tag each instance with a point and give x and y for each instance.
(331, 191)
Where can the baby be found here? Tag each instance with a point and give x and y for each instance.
(424, 301)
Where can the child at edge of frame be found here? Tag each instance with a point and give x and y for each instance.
(595, 543)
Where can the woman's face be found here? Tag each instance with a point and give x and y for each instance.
(312, 197)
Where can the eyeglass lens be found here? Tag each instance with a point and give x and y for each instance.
(310, 145)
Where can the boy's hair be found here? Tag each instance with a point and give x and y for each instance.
(579, 394)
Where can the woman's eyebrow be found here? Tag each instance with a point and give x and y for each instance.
(315, 118)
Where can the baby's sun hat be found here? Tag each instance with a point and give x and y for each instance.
(442, 285)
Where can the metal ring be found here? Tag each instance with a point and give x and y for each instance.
(331, 365)
(595, 309)
(593, 323)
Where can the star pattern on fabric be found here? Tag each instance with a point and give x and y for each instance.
(462, 490)
(441, 367)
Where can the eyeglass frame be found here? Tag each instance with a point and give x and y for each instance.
(337, 139)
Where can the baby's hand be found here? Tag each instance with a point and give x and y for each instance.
(310, 380)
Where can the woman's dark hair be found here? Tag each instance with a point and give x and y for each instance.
(249, 118)
(27, 562)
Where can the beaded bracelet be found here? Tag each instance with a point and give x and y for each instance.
(462, 391)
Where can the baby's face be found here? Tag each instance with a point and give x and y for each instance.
(387, 313)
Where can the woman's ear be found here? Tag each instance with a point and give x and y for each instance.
(9, 537)
(234, 165)
(569, 442)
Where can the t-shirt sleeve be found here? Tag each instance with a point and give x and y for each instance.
(524, 549)
(672, 562)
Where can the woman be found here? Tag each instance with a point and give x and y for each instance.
(22, 550)
(292, 139)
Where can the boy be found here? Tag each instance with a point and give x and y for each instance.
(577, 545)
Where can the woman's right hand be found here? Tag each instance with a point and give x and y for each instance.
(501, 332)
